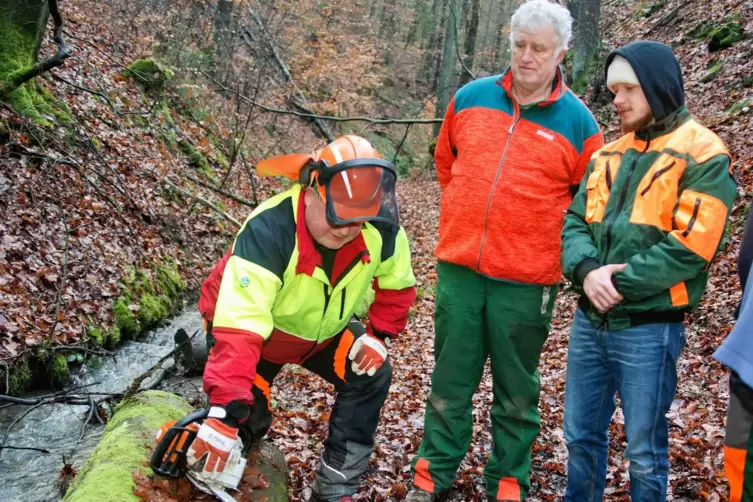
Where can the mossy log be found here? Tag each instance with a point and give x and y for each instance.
(107, 476)
(127, 443)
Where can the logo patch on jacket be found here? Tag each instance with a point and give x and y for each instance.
(545, 134)
(245, 282)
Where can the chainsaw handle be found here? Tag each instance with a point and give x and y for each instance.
(169, 461)
(192, 417)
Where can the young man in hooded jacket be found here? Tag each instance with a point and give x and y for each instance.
(637, 241)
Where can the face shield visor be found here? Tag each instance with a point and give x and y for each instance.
(359, 190)
(353, 191)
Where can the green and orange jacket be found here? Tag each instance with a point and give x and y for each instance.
(657, 200)
(508, 175)
(270, 298)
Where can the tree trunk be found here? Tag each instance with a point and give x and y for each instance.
(387, 24)
(447, 67)
(586, 34)
(435, 37)
(470, 40)
(22, 27)
(222, 35)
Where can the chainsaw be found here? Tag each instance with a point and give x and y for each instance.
(170, 457)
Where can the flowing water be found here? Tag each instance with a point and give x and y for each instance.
(31, 476)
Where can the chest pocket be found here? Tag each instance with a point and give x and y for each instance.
(656, 195)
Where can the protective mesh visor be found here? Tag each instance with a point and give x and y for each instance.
(361, 193)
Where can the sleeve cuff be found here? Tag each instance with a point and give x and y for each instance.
(583, 268)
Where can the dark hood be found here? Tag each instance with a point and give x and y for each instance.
(659, 73)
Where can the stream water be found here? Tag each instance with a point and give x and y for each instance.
(31, 476)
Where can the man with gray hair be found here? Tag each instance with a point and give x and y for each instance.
(511, 151)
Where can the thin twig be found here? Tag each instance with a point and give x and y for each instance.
(74, 348)
(220, 191)
(10, 427)
(19, 400)
(88, 419)
(134, 387)
(86, 89)
(9, 447)
(202, 201)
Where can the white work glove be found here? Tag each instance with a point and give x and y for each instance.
(368, 354)
(219, 446)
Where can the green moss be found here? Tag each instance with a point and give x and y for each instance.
(152, 310)
(719, 36)
(19, 377)
(594, 67)
(725, 36)
(108, 474)
(127, 323)
(141, 283)
(738, 107)
(149, 75)
(649, 10)
(196, 159)
(169, 281)
(59, 372)
(97, 335)
(17, 47)
(714, 68)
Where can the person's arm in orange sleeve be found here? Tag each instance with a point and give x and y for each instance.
(445, 150)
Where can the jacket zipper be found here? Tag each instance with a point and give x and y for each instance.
(515, 119)
(609, 177)
(655, 177)
(696, 208)
(621, 201)
(342, 303)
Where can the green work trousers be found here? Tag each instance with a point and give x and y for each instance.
(478, 318)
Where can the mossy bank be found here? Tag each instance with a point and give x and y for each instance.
(149, 296)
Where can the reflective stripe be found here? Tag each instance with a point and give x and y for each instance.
(508, 489)
(422, 479)
(263, 386)
(679, 295)
(734, 466)
(341, 355)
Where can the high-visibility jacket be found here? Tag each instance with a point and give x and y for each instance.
(657, 200)
(269, 297)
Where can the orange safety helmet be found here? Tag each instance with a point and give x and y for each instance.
(354, 182)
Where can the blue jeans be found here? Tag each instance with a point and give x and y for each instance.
(641, 364)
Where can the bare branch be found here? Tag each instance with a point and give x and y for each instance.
(300, 99)
(202, 201)
(9, 447)
(134, 387)
(222, 192)
(325, 117)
